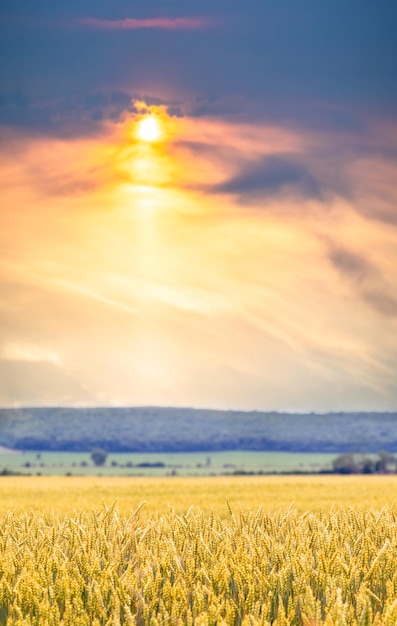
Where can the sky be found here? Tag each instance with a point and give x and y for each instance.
(243, 255)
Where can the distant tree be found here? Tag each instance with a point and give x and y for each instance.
(367, 466)
(99, 456)
(384, 461)
(345, 464)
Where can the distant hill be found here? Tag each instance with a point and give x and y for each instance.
(154, 429)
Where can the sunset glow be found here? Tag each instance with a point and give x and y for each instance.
(179, 227)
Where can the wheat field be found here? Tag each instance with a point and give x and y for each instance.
(280, 551)
(279, 568)
(305, 493)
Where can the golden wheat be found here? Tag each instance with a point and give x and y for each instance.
(307, 493)
(337, 568)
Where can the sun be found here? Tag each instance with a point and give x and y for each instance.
(149, 129)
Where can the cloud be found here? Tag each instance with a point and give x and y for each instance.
(351, 264)
(382, 302)
(373, 178)
(370, 283)
(271, 175)
(146, 295)
(126, 23)
(29, 353)
(273, 161)
(68, 115)
(40, 383)
(164, 23)
(281, 60)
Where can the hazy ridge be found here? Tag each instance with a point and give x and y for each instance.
(156, 429)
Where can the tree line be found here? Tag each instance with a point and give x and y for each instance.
(346, 463)
(349, 463)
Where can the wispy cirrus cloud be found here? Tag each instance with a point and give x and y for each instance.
(367, 279)
(165, 23)
(126, 23)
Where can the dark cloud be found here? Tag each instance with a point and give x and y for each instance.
(352, 264)
(214, 105)
(382, 302)
(67, 115)
(272, 175)
(367, 279)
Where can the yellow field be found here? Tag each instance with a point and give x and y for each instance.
(255, 568)
(70, 558)
(305, 493)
